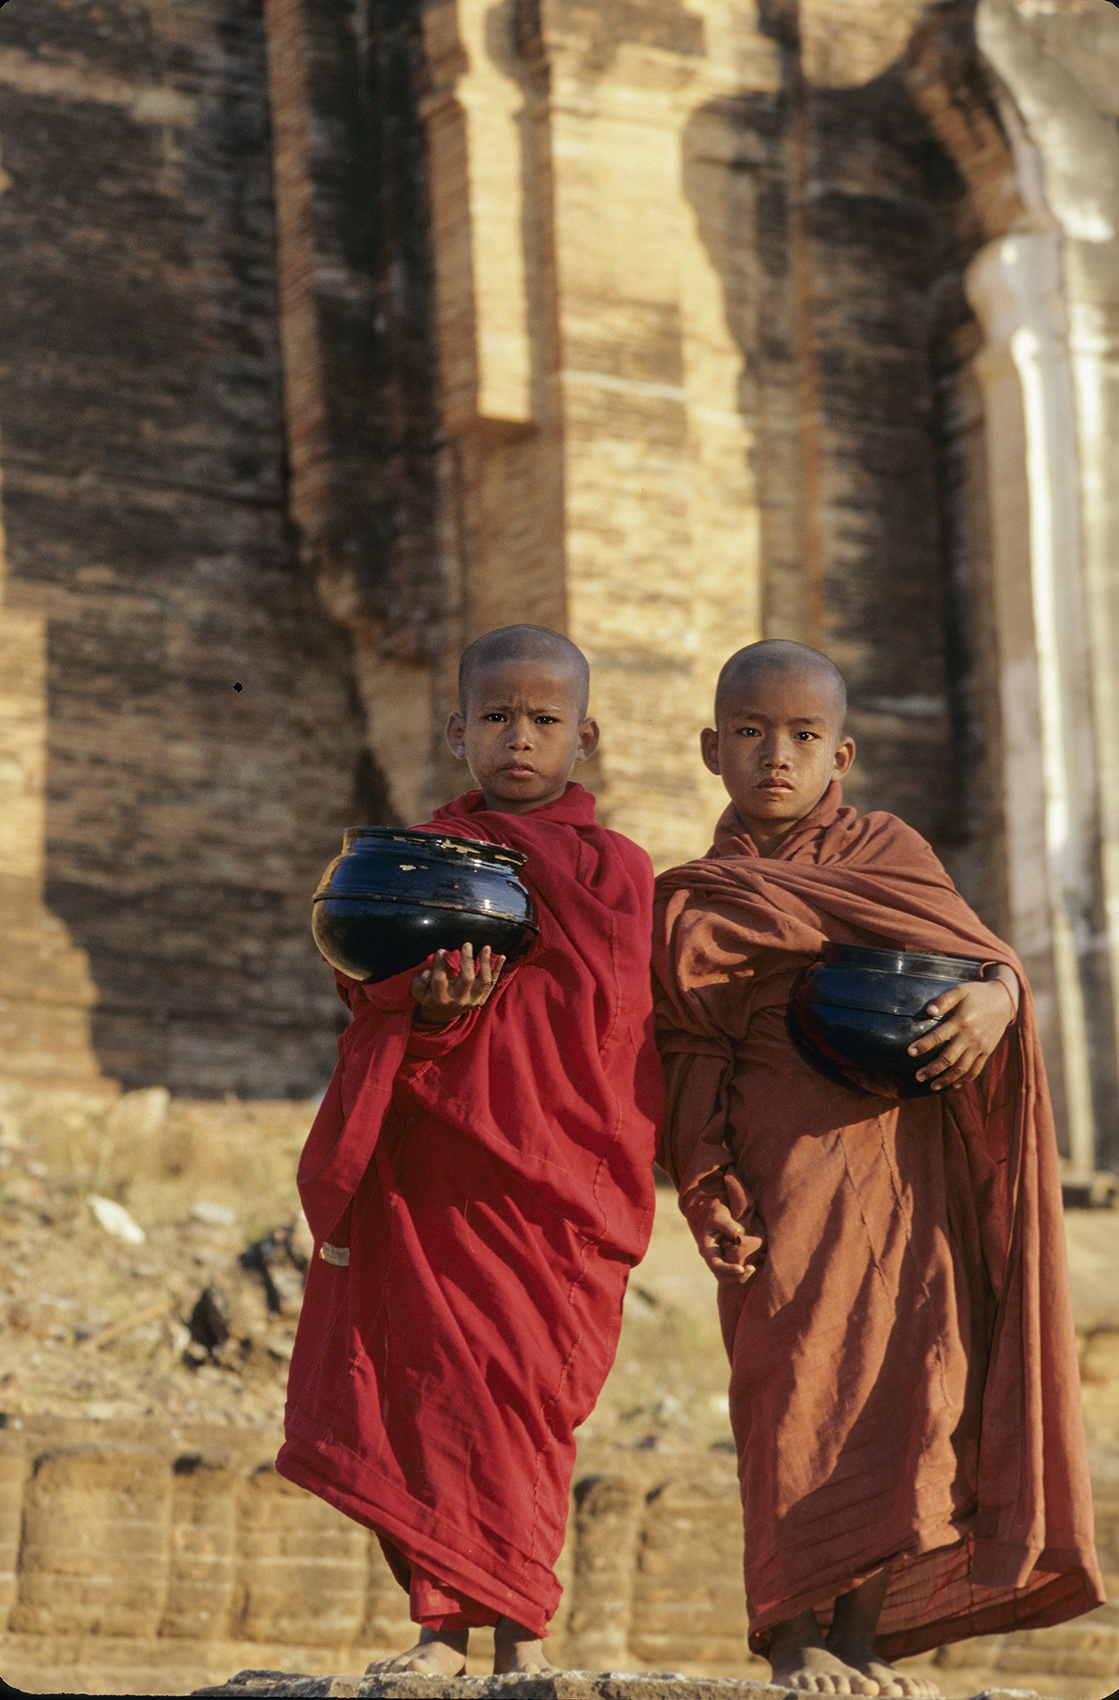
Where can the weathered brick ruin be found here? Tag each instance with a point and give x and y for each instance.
(333, 335)
(158, 1564)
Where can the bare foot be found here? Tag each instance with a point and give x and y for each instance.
(816, 1671)
(516, 1648)
(851, 1638)
(801, 1660)
(891, 1681)
(438, 1652)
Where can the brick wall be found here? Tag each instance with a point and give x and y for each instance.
(151, 558)
(332, 337)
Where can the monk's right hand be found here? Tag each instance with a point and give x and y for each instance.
(440, 999)
(731, 1254)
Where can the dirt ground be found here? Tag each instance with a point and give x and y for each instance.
(195, 1320)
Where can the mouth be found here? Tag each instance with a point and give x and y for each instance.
(774, 785)
(518, 770)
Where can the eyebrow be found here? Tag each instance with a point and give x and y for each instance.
(796, 719)
(485, 707)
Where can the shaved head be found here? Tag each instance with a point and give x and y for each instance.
(525, 643)
(777, 655)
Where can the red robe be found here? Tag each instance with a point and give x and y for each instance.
(494, 1181)
(904, 1383)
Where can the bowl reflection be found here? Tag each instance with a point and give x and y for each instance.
(854, 1013)
(393, 897)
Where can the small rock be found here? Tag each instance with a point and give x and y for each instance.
(213, 1215)
(114, 1218)
(209, 1320)
(279, 1262)
(100, 1410)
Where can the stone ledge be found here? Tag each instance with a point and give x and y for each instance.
(565, 1685)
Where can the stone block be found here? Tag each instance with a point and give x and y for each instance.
(1074, 1654)
(200, 1570)
(1007, 1694)
(687, 1592)
(1107, 1535)
(386, 1623)
(300, 1566)
(13, 1469)
(607, 1514)
(94, 1553)
(1100, 1357)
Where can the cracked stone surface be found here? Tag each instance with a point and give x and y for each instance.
(564, 1685)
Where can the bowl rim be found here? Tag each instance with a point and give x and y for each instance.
(901, 962)
(478, 848)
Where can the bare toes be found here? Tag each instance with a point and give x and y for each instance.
(816, 1683)
(892, 1682)
(433, 1658)
(525, 1664)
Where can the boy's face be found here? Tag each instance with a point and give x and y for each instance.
(521, 731)
(777, 748)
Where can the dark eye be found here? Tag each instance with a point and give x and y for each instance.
(749, 732)
(547, 719)
(808, 736)
(495, 715)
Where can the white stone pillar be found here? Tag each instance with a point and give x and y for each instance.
(1049, 769)
(1060, 75)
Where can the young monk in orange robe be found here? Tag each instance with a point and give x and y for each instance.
(893, 1288)
(479, 1181)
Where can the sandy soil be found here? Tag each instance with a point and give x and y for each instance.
(195, 1320)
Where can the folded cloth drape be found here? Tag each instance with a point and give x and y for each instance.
(493, 1182)
(904, 1381)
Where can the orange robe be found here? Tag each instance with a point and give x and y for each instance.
(904, 1383)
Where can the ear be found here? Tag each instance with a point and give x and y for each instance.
(456, 734)
(844, 756)
(588, 740)
(709, 749)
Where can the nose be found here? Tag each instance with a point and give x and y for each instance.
(775, 753)
(519, 736)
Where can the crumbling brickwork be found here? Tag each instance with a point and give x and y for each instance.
(151, 1559)
(183, 820)
(330, 337)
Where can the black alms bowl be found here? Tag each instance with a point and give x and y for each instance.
(391, 898)
(855, 1012)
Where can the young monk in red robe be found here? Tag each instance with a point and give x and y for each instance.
(479, 1181)
(893, 1290)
